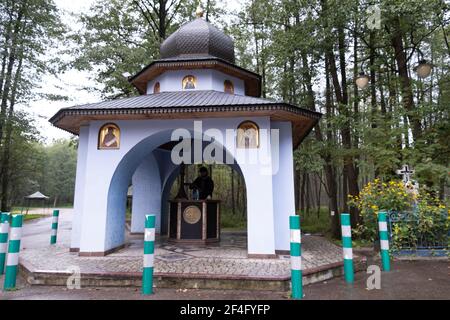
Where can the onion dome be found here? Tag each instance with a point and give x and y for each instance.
(198, 39)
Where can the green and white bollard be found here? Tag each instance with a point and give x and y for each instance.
(296, 257)
(55, 219)
(384, 241)
(12, 259)
(149, 255)
(347, 247)
(4, 230)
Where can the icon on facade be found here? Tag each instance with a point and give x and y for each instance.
(228, 87)
(157, 88)
(109, 137)
(189, 82)
(248, 135)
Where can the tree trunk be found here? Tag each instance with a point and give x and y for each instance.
(162, 19)
(9, 70)
(308, 194)
(405, 81)
(302, 193)
(345, 131)
(355, 92)
(319, 194)
(5, 164)
(328, 164)
(233, 202)
(344, 190)
(297, 189)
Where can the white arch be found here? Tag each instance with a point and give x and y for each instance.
(107, 174)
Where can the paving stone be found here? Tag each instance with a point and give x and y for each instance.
(218, 260)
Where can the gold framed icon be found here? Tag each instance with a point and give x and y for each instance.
(228, 87)
(189, 82)
(157, 88)
(109, 136)
(248, 135)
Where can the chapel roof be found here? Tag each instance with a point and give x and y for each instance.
(186, 104)
(197, 44)
(198, 38)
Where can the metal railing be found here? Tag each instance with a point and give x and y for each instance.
(408, 231)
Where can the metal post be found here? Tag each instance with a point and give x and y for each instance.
(296, 257)
(55, 219)
(347, 247)
(4, 230)
(12, 260)
(149, 250)
(384, 241)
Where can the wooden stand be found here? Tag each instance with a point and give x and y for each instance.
(194, 221)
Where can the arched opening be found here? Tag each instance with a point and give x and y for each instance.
(148, 167)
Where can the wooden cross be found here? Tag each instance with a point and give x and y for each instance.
(406, 172)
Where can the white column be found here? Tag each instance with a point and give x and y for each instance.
(83, 142)
(146, 195)
(256, 167)
(260, 224)
(283, 184)
(101, 232)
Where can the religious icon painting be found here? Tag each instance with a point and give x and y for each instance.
(189, 82)
(228, 87)
(248, 135)
(109, 137)
(157, 88)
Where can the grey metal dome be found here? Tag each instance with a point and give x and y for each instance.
(198, 38)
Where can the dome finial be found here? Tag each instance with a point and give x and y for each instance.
(199, 11)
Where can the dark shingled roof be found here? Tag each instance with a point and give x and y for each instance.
(187, 104)
(198, 38)
(182, 99)
(178, 99)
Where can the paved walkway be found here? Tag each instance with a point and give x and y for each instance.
(227, 259)
(407, 280)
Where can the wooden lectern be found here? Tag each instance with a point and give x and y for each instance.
(193, 221)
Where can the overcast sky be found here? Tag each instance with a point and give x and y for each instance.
(69, 82)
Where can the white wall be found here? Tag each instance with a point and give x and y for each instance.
(78, 203)
(109, 172)
(283, 186)
(146, 195)
(207, 79)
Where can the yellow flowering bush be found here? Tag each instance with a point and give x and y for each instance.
(374, 197)
(424, 219)
(429, 226)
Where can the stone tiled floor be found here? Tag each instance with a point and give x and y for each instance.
(228, 259)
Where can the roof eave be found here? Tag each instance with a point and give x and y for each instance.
(312, 115)
(135, 78)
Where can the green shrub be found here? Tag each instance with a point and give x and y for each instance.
(376, 196)
(427, 222)
(428, 225)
